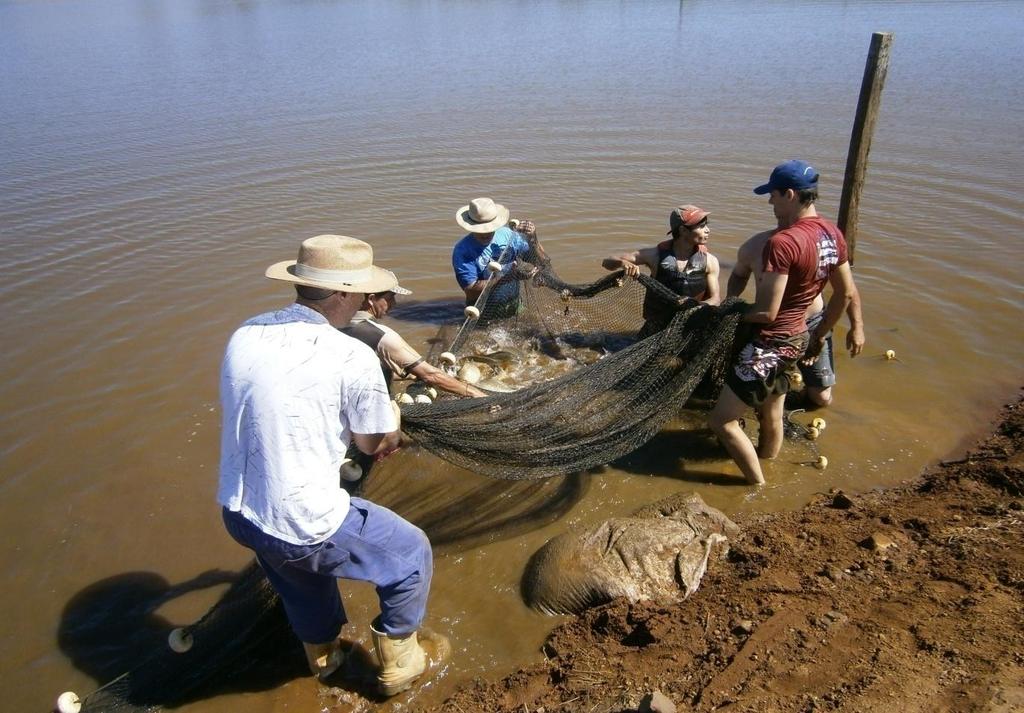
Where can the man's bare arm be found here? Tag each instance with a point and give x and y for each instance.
(630, 262)
(374, 443)
(747, 258)
(714, 290)
(769, 298)
(473, 291)
(855, 337)
(843, 288)
(738, 279)
(430, 374)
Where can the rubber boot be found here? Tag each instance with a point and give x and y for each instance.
(324, 659)
(401, 660)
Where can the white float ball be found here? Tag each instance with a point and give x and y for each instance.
(351, 472)
(422, 399)
(890, 354)
(813, 433)
(179, 640)
(494, 266)
(472, 312)
(431, 392)
(447, 358)
(821, 463)
(470, 373)
(405, 398)
(69, 702)
(818, 423)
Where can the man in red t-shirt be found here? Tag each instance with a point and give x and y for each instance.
(804, 253)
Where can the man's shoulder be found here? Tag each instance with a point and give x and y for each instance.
(466, 245)
(392, 341)
(757, 240)
(293, 313)
(506, 236)
(350, 356)
(814, 225)
(752, 247)
(388, 331)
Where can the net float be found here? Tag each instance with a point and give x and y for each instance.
(796, 377)
(422, 399)
(470, 373)
(890, 354)
(447, 358)
(821, 463)
(179, 640)
(818, 423)
(405, 398)
(472, 312)
(813, 433)
(431, 392)
(494, 266)
(514, 223)
(69, 702)
(351, 471)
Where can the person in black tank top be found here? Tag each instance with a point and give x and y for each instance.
(395, 354)
(683, 264)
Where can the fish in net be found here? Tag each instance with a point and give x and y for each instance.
(596, 408)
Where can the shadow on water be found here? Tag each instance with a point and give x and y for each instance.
(468, 510)
(110, 630)
(664, 454)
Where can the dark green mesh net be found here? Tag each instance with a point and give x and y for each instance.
(243, 643)
(586, 392)
(580, 391)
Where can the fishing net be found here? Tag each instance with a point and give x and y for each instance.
(243, 642)
(586, 392)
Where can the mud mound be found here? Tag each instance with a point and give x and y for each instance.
(908, 599)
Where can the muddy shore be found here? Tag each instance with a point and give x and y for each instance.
(906, 599)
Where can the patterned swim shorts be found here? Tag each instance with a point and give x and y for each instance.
(760, 369)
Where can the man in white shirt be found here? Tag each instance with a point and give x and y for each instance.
(294, 392)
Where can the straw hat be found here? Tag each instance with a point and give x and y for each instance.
(482, 215)
(336, 262)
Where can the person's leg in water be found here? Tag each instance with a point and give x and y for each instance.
(770, 421)
(819, 375)
(725, 422)
(374, 545)
(311, 601)
(396, 556)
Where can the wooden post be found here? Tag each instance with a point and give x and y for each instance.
(860, 140)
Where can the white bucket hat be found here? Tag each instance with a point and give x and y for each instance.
(482, 215)
(336, 262)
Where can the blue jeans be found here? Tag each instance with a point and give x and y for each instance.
(822, 373)
(373, 545)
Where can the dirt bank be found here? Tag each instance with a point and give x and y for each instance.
(909, 599)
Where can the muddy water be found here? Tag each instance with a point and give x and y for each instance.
(156, 156)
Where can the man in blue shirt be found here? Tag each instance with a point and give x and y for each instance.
(489, 236)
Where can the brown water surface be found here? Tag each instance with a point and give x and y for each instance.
(157, 155)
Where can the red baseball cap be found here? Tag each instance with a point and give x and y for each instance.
(686, 216)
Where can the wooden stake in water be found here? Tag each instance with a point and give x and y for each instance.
(863, 129)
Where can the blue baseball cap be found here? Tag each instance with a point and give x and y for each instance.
(794, 174)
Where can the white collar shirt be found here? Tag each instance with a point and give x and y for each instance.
(293, 390)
